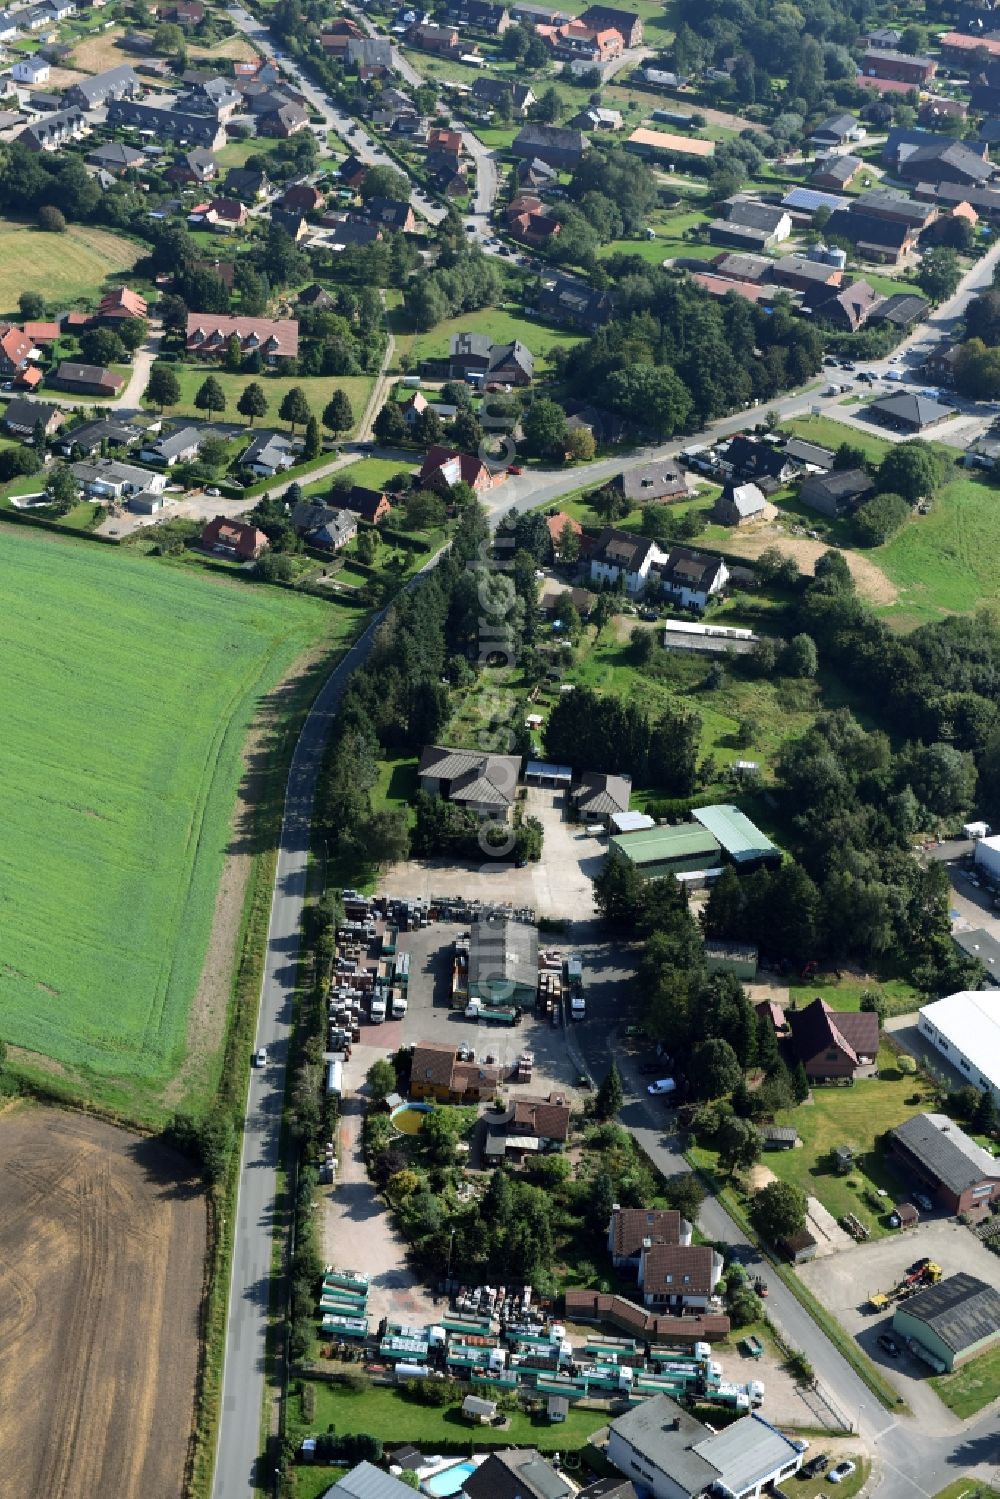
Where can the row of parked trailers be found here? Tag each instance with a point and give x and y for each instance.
(343, 1305)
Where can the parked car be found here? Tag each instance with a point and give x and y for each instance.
(260, 1057)
(817, 1466)
(841, 1471)
(888, 1345)
(923, 1202)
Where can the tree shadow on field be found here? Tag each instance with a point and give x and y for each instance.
(176, 1177)
(279, 716)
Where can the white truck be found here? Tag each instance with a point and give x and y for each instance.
(398, 1006)
(377, 1008)
(574, 984)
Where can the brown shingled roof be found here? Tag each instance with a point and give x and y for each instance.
(677, 1270)
(631, 1226)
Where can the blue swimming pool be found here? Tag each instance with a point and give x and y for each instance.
(449, 1480)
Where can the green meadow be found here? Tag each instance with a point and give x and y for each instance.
(126, 696)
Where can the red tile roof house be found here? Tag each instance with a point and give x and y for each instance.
(445, 467)
(556, 525)
(234, 538)
(632, 1229)
(42, 333)
(121, 304)
(15, 347)
(371, 505)
(208, 335)
(677, 1276)
(445, 140)
(302, 197)
(226, 214)
(617, 1311)
(834, 1044)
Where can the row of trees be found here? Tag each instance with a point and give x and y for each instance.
(163, 389)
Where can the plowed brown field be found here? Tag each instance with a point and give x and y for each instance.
(102, 1247)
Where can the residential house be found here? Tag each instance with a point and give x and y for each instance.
(527, 1125)
(225, 215)
(352, 172)
(368, 1482)
(888, 241)
(482, 783)
(846, 307)
(566, 299)
(86, 379)
(898, 67)
(30, 70)
(369, 52)
(371, 505)
(599, 796)
(631, 1230)
(477, 354)
(391, 213)
(484, 16)
(649, 482)
(937, 111)
(596, 118)
(773, 220)
(22, 416)
(836, 493)
(337, 34)
(347, 232)
(283, 122)
(444, 467)
(90, 437)
(837, 130)
(233, 538)
(498, 93)
(626, 22)
(834, 1044)
(302, 197)
(909, 413)
(690, 578)
(116, 158)
(750, 459)
(55, 130)
(270, 453)
(809, 454)
(671, 1455)
(963, 1176)
(15, 350)
(530, 220)
(325, 526)
(576, 42)
(618, 554)
(251, 186)
(674, 1277)
(197, 166)
(208, 336)
(903, 309)
(187, 118)
(437, 1073)
(965, 1028)
(115, 83)
(121, 306)
(553, 144)
(427, 36)
(836, 172)
(884, 203)
(108, 479)
(738, 504)
(294, 225)
(517, 1473)
(177, 447)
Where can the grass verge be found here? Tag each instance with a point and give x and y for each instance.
(972, 1387)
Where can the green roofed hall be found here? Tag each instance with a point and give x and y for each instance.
(744, 843)
(659, 851)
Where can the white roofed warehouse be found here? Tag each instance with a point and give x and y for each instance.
(965, 1029)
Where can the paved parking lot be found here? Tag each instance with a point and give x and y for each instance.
(845, 1281)
(558, 885)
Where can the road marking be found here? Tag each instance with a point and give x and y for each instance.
(906, 1478)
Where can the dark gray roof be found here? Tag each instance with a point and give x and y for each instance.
(368, 1482)
(516, 1475)
(808, 452)
(946, 1152)
(961, 1310)
(662, 1431)
(916, 411)
(766, 216)
(502, 951)
(600, 793)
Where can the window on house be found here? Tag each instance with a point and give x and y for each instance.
(963, 1063)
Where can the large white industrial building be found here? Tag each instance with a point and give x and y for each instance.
(987, 854)
(965, 1029)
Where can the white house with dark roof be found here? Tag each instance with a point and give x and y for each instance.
(618, 554)
(670, 1455)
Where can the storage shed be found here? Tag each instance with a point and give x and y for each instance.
(503, 962)
(743, 843)
(779, 1137)
(541, 773)
(659, 851)
(739, 958)
(953, 1320)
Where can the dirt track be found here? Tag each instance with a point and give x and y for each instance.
(102, 1249)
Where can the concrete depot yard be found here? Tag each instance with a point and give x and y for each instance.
(843, 1282)
(560, 884)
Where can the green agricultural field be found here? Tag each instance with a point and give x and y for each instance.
(499, 325)
(126, 697)
(317, 390)
(64, 268)
(943, 563)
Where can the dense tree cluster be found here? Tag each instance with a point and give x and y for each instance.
(673, 357)
(587, 729)
(457, 284)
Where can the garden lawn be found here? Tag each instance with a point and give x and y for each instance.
(830, 434)
(853, 1116)
(387, 1413)
(317, 390)
(972, 1387)
(944, 562)
(126, 697)
(64, 268)
(500, 326)
(845, 994)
